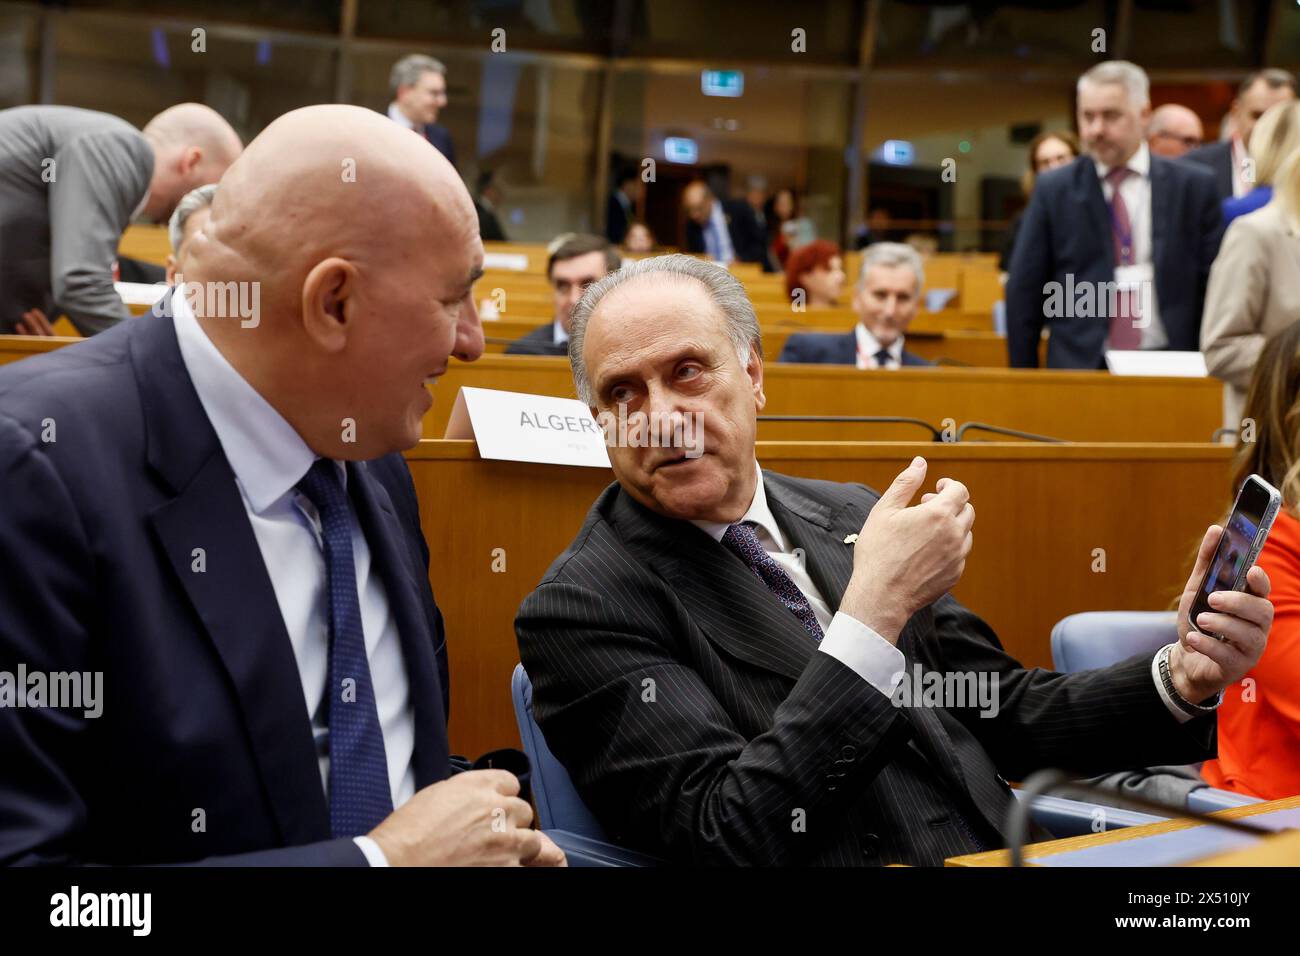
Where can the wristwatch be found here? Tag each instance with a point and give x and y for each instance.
(1181, 702)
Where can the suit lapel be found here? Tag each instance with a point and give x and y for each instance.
(1162, 209)
(383, 531)
(847, 348)
(732, 606)
(227, 583)
(821, 531)
(1089, 192)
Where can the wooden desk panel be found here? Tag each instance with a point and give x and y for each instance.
(1075, 406)
(1042, 512)
(1050, 847)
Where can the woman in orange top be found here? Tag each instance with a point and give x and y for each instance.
(1259, 721)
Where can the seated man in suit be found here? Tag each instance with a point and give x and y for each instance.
(886, 300)
(1115, 249)
(576, 262)
(207, 510)
(719, 657)
(726, 230)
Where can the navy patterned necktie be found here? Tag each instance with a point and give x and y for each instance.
(359, 795)
(883, 358)
(743, 540)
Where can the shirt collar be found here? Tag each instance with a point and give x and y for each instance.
(758, 512)
(1139, 162)
(868, 344)
(559, 336)
(267, 456)
(397, 116)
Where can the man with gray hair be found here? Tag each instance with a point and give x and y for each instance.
(886, 300)
(188, 219)
(1115, 249)
(74, 180)
(716, 657)
(419, 88)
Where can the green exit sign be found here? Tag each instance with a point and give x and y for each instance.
(722, 82)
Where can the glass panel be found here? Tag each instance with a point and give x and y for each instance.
(1198, 33)
(740, 28)
(135, 67)
(978, 128)
(533, 124)
(578, 25)
(786, 131)
(316, 16)
(957, 35)
(19, 57)
(1284, 50)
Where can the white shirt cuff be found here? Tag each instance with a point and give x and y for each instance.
(1182, 715)
(374, 855)
(864, 652)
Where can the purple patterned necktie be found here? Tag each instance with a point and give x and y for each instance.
(358, 771)
(743, 540)
(1124, 334)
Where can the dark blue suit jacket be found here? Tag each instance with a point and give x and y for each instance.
(440, 137)
(748, 234)
(824, 348)
(1067, 231)
(203, 705)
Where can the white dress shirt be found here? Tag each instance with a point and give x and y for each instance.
(1239, 185)
(558, 335)
(869, 345)
(269, 458)
(847, 639)
(1136, 192)
(724, 251)
(397, 116)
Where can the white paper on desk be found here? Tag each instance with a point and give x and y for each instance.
(515, 426)
(1173, 364)
(140, 293)
(508, 261)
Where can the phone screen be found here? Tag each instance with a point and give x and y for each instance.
(1239, 545)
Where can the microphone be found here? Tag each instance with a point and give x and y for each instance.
(1043, 782)
(935, 434)
(1012, 432)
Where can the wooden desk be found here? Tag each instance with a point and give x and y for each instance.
(1042, 513)
(974, 349)
(1050, 847)
(1075, 406)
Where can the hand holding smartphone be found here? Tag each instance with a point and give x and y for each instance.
(1243, 536)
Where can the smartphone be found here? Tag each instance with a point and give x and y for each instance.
(1252, 516)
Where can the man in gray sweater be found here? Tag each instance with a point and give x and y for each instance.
(70, 182)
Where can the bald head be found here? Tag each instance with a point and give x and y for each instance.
(362, 244)
(698, 200)
(192, 146)
(1174, 130)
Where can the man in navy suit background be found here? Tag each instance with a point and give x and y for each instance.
(886, 300)
(419, 85)
(1106, 272)
(726, 230)
(207, 508)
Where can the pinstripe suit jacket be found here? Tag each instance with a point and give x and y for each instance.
(701, 724)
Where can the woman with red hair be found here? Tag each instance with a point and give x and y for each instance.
(814, 275)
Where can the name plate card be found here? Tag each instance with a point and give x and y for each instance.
(514, 426)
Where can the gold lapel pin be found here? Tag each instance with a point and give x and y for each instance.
(850, 539)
